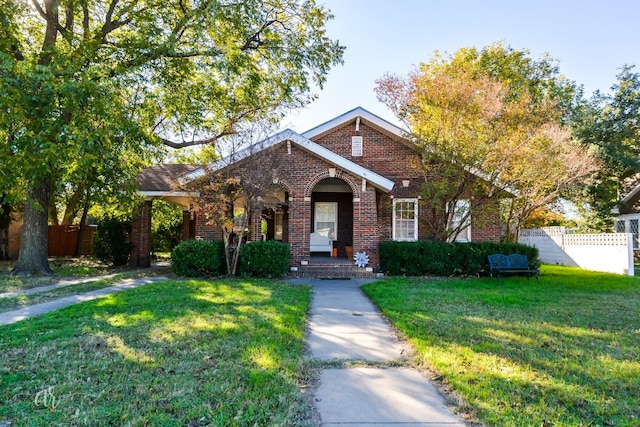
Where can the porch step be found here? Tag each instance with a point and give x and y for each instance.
(328, 271)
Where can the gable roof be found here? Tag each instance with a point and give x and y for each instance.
(304, 143)
(626, 204)
(368, 118)
(162, 177)
(389, 129)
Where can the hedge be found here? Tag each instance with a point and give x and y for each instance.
(446, 259)
(112, 243)
(195, 258)
(265, 259)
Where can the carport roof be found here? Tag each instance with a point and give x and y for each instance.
(162, 177)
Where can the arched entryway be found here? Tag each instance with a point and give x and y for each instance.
(332, 216)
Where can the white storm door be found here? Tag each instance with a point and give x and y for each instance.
(326, 219)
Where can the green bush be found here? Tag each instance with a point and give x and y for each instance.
(265, 259)
(166, 237)
(195, 258)
(112, 244)
(446, 259)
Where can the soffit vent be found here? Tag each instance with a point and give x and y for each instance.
(356, 146)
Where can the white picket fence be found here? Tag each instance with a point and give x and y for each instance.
(608, 252)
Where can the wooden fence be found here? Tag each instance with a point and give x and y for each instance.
(63, 240)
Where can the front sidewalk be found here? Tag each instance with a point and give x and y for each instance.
(345, 326)
(14, 316)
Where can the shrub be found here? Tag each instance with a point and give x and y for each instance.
(446, 259)
(195, 258)
(265, 259)
(166, 237)
(112, 244)
(166, 226)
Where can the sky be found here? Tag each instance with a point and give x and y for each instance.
(590, 39)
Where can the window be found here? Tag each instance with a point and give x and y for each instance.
(461, 213)
(278, 224)
(621, 226)
(405, 219)
(326, 219)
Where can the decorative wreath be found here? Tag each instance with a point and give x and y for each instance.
(361, 259)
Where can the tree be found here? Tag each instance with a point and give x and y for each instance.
(76, 77)
(243, 185)
(480, 120)
(610, 124)
(5, 221)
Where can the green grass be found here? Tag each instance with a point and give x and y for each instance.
(175, 353)
(564, 352)
(20, 301)
(62, 267)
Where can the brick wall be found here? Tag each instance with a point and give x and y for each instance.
(300, 171)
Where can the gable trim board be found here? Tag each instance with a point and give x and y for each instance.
(354, 115)
(306, 144)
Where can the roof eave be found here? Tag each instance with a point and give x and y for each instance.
(352, 115)
(376, 180)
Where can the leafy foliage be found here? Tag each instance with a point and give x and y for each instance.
(610, 124)
(446, 259)
(197, 258)
(166, 226)
(244, 186)
(480, 119)
(112, 244)
(265, 259)
(94, 88)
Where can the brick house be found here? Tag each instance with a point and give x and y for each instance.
(343, 187)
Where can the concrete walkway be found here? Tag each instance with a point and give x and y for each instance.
(14, 316)
(64, 282)
(344, 324)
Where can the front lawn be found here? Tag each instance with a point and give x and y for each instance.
(176, 353)
(62, 267)
(564, 352)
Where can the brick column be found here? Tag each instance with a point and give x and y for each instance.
(186, 225)
(255, 226)
(365, 226)
(204, 231)
(299, 229)
(141, 236)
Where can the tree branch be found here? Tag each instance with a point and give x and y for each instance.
(112, 8)
(85, 20)
(255, 42)
(193, 143)
(51, 30)
(110, 26)
(39, 9)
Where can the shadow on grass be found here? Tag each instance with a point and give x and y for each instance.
(173, 353)
(562, 352)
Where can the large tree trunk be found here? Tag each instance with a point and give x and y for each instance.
(32, 258)
(5, 221)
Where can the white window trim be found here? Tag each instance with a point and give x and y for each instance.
(465, 233)
(415, 220)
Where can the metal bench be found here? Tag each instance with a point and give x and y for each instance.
(511, 264)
